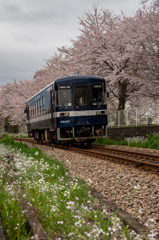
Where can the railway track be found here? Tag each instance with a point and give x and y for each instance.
(144, 160)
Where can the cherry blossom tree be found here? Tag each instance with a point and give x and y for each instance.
(104, 48)
(42, 78)
(123, 50)
(155, 2)
(61, 65)
(13, 100)
(145, 25)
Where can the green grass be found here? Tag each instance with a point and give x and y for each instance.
(19, 135)
(108, 141)
(13, 220)
(64, 207)
(4, 135)
(151, 142)
(129, 126)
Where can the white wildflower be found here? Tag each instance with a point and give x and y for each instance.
(137, 187)
(89, 181)
(36, 153)
(70, 234)
(60, 222)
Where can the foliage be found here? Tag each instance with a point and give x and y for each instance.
(7, 141)
(151, 142)
(4, 135)
(10, 128)
(18, 135)
(13, 220)
(6, 124)
(108, 141)
(64, 207)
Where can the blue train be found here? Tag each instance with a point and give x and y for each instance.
(69, 109)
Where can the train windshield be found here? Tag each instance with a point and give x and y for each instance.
(81, 98)
(97, 94)
(64, 97)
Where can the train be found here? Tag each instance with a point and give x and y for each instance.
(70, 109)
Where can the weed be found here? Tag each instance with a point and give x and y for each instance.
(64, 207)
(151, 142)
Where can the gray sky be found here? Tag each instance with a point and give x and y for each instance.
(31, 30)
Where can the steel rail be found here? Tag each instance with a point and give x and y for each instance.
(107, 156)
(137, 163)
(102, 155)
(136, 154)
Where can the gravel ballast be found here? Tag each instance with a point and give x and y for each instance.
(134, 190)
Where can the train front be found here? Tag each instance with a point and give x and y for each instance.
(81, 108)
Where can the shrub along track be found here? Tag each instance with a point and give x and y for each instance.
(115, 155)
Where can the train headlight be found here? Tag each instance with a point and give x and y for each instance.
(65, 114)
(100, 112)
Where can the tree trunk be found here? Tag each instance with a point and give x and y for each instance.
(122, 101)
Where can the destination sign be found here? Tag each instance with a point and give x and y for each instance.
(65, 87)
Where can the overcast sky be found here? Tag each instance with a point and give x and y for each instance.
(31, 30)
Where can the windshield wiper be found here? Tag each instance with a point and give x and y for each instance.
(67, 104)
(100, 104)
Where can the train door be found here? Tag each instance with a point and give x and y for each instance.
(81, 98)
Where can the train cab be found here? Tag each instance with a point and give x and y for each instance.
(81, 108)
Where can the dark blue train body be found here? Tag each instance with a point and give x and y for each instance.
(69, 109)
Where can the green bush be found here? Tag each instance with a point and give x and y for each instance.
(151, 142)
(105, 141)
(6, 141)
(4, 135)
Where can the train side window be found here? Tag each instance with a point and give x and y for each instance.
(64, 97)
(38, 106)
(81, 97)
(97, 94)
(31, 109)
(43, 102)
(34, 109)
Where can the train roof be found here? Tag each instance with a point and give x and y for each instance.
(79, 79)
